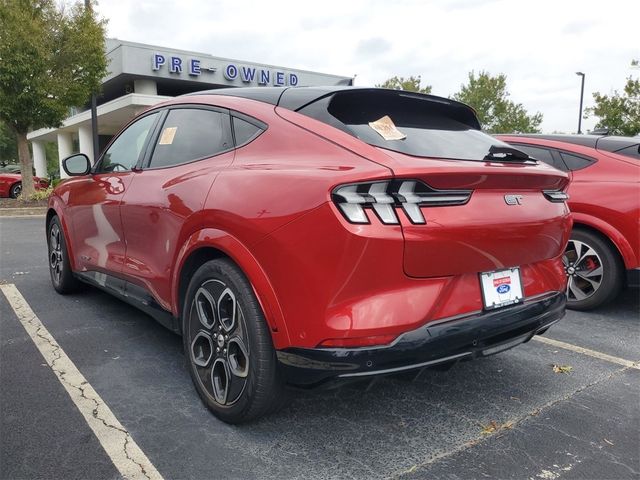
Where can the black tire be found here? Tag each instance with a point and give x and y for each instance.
(59, 267)
(586, 289)
(237, 387)
(16, 190)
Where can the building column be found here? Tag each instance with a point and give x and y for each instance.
(65, 148)
(145, 87)
(85, 140)
(39, 159)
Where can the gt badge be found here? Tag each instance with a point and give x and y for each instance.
(513, 199)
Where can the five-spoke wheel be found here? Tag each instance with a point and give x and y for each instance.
(226, 338)
(218, 349)
(593, 268)
(59, 267)
(55, 253)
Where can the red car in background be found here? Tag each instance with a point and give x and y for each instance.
(604, 198)
(312, 236)
(11, 182)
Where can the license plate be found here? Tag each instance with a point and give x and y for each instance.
(501, 288)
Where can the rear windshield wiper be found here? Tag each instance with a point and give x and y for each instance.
(500, 153)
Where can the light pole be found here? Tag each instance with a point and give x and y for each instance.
(94, 111)
(581, 98)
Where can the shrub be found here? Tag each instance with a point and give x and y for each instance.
(37, 196)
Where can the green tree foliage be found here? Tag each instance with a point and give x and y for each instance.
(51, 58)
(411, 84)
(488, 95)
(8, 147)
(51, 153)
(618, 112)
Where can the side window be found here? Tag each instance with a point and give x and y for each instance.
(190, 134)
(575, 162)
(633, 152)
(543, 155)
(124, 152)
(244, 131)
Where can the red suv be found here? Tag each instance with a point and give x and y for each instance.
(311, 236)
(605, 203)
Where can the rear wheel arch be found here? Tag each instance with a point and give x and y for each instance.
(591, 229)
(189, 267)
(200, 248)
(610, 233)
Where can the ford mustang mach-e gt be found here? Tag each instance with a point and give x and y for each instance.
(312, 236)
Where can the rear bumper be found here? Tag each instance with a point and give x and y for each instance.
(450, 340)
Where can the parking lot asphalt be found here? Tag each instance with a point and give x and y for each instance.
(506, 416)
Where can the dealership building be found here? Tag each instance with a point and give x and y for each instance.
(143, 75)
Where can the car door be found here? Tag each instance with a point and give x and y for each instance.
(94, 203)
(161, 206)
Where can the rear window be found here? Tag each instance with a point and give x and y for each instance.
(430, 127)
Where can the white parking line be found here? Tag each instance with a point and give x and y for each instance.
(123, 451)
(586, 351)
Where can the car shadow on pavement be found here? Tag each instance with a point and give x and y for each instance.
(352, 431)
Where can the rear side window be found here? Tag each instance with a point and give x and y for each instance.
(244, 131)
(575, 162)
(542, 154)
(190, 134)
(416, 125)
(632, 152)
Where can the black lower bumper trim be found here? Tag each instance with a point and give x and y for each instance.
(481, 334)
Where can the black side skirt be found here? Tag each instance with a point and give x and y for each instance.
(133, 294)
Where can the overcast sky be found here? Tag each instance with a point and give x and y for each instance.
(538, 44)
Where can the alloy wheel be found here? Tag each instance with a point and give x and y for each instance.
(218, 342)
(55, 252)
(16, 190)
(583, 267)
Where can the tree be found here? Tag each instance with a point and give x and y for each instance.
(411, 84)
(8, 148)
(619, 112)
(51, 59)
(488, 96)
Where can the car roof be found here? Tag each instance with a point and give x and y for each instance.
(607, 143)
(295, 98)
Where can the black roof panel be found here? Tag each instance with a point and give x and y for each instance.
(262, 94)
(295, 98)
(600, 142)
(584, 140)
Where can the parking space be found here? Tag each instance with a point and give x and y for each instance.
(506, 416)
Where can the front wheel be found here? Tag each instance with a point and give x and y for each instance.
(228, 345)
(59, 266)
(594, 271)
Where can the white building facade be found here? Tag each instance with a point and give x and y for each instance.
(143, 75)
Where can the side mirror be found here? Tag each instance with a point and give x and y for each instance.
(76, 165)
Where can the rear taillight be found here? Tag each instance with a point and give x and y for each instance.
(556, 196)
(384, 197)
